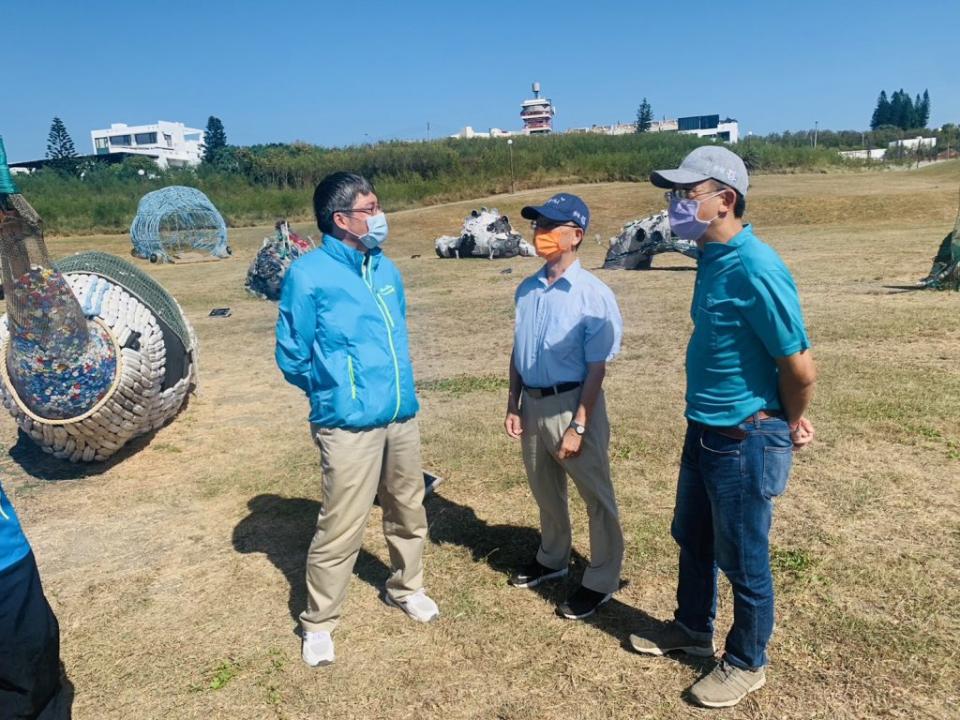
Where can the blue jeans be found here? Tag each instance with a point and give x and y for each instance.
(722, 519)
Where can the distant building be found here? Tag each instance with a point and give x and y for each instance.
(709, 126)
(537, 114)
(871, 154)
(468, 132)
(914, 143)
(169, 144)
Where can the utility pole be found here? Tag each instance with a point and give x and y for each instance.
(513, 182)
(816, 131)
(428, 131)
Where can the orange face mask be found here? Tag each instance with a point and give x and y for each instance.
(551, 244)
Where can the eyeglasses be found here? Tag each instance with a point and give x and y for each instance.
(549, 225)
(688, 193)
(375, 210)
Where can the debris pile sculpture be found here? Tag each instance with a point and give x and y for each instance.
(945, 273)
(266, 273)
(640, 240)
(93, 352)
(176, 220)
(486, 234)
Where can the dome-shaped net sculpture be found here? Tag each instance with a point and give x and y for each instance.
(175, 220)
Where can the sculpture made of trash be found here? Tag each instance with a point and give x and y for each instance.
(485, 234)
(174, 220)
(639, 240)
(266, 272)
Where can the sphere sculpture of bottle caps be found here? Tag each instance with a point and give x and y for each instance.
(93, 351)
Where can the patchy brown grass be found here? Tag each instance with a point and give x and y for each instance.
(176, 571)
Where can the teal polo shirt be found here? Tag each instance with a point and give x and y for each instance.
(746, 313)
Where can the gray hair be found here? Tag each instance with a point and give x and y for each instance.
(335, 193)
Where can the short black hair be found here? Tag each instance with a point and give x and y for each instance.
(740, 205)
(335, 193)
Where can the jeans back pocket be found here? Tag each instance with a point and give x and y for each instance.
(776, 470)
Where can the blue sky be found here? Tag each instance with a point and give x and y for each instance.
(353, 72)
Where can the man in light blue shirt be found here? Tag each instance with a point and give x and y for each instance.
(568, 326)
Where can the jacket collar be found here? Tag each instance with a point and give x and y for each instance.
(346, 255)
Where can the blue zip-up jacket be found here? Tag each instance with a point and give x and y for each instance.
(13, 544)
(342, 337)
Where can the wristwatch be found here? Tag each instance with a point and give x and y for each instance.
(578, 428)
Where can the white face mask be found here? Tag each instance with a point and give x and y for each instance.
(376, 231)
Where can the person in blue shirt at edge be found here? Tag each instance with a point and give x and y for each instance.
(568, 327)
(342, 339)
(750, 378)
(29, 633)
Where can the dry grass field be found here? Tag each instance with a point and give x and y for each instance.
(176, 571)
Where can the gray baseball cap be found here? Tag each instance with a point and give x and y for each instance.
(708, 162)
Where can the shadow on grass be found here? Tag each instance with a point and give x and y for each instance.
(43, 466)
(281, 528)
(506, 548)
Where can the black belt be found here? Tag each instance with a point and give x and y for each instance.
(552, 390)
(736, 433)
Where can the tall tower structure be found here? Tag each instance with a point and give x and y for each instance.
(537, 114)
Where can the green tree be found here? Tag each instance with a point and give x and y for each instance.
(644, 116)
(214, 140)
(923, 109)
(59, 144)
(881, 113)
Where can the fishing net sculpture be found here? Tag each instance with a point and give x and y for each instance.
(945, 273)
(485, 234)
(640, 240)
(93, 351)
(176, 220)
(276, 255)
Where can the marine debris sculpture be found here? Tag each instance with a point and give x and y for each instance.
(945, 273)
(93, 351)
(485, 234)
(176, 220)
(276, 255)
(639, 240)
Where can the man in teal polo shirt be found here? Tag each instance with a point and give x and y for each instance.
(750, 377)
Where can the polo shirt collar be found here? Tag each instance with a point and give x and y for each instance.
(716, 249)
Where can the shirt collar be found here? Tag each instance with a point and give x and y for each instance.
(717, 249)
(570, 275)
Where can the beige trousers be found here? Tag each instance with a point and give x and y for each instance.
(544, 422)
(357, 467)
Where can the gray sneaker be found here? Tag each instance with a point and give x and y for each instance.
(672, 637)
(726, 685)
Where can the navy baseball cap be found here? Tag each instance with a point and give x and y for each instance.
(561, 208)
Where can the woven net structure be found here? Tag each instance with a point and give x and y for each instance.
(177, 219)
(945, 272)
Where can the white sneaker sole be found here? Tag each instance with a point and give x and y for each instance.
(540, 580)
(730, 703)
(400, 606)
(571, 616)
(317, 662)
(695, 650)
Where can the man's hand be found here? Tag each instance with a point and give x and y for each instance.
(513, 425)
(570, 445)
(802, 434)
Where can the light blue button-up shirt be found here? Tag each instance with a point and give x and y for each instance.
(562, 327)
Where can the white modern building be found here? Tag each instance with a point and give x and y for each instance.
(914, 143)
(865, 154)
(710, 126)
(537, 114)
(468, 132)
(170, 144)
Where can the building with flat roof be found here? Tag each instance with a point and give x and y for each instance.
(170, 144)
(710, 126)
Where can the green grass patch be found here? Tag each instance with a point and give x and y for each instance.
(465, 384)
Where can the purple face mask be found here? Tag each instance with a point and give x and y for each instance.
(684, 221)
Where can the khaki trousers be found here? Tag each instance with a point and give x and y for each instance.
(544, 422)
(358, 466)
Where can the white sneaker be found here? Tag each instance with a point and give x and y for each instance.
(317, 648)
(418, 606)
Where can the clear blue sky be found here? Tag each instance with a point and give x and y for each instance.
(336, 73)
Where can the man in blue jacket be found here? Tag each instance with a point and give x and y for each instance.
(342, 339)
(29, 633)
